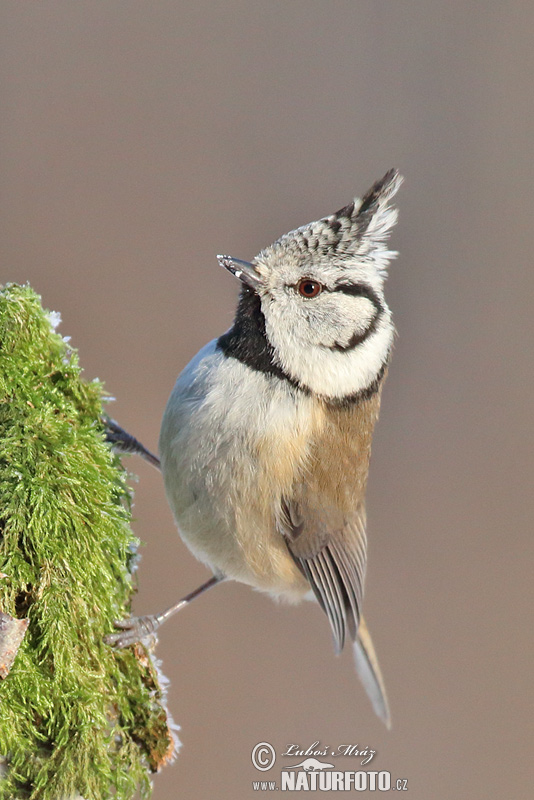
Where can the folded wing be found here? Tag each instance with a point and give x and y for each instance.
(330, 549)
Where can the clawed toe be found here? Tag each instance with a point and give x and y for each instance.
(123, 442)
(136, 629)
(132, 631)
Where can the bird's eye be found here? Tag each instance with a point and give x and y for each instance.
(308, 288)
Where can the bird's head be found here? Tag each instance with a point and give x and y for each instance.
(320, 291)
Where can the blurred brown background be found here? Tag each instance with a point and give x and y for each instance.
(139, 139)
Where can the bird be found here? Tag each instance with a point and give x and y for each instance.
(266, 437)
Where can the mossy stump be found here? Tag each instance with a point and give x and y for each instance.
(76, 717)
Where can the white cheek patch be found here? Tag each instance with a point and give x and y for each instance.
(336, 374)
(335, 353)
(333, 321)
(354, 330)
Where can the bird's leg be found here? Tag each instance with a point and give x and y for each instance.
(136, 628)
(123, 442)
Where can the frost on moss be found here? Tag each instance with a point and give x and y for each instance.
(76, 717)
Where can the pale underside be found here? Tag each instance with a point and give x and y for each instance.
(274, 498)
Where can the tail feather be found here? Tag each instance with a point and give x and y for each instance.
(369, 673)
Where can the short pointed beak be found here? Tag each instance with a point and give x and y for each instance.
(243, 270)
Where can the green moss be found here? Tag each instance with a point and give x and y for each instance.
(76, 717)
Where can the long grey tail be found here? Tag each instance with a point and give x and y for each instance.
(369, 673)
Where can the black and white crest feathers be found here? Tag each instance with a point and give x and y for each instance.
(358, 230)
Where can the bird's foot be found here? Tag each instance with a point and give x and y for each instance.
(123, 442)
(132, 630)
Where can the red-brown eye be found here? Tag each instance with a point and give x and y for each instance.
(309, 288)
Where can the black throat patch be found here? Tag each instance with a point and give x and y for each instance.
(247, 341)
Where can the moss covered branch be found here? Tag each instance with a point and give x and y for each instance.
(76, 717)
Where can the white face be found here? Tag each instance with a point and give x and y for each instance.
(328, 324)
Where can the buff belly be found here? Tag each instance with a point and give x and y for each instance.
(234, 446)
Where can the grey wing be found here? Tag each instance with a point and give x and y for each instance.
(330, 549)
